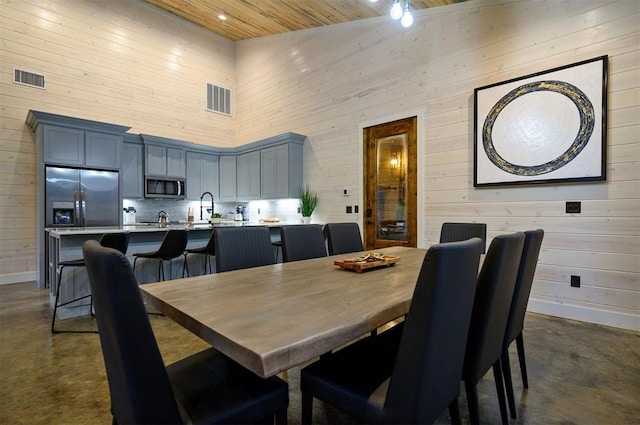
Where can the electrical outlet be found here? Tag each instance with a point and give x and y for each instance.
(299, 210)
(258, 211)
(356, 209)
(573, 207)
(349, 209)
(575, 281)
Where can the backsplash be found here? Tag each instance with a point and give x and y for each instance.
(147, 209)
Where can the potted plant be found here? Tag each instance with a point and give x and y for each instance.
(308, 202)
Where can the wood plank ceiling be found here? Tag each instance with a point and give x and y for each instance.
(257, 18)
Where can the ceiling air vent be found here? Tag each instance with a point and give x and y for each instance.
(28, 78)
(218, 99)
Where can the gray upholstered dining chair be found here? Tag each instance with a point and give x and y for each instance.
(491, 306)
(302, 242)
(206, 387)
(343, 238)
(515, 325)
(242, 247)
(453, 232)
(410, 373)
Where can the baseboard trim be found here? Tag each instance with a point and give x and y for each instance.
(583, 314)
(8, 278)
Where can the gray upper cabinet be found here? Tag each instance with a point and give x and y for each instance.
(280, 171)
(202, 175)
(64, 146)
(248, 175)
(164, 161)
(132, 171)
(102, 150)
(73, 147)
(228, 178)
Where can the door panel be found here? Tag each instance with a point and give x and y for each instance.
(390, 157)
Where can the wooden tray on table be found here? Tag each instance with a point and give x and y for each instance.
(369, 261)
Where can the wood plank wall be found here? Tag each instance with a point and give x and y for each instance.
(330, 84)
(129, 64)
(122, 62)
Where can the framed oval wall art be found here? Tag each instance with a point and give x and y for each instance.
(547, 127)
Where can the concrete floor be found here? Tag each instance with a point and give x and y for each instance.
(579, 373)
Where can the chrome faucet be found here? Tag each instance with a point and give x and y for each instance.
(201, 198)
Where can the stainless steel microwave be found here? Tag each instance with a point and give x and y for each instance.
(164, 188)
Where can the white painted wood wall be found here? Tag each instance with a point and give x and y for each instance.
(129, 64)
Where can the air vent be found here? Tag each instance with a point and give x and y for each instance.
(218, 99)
(28, 78)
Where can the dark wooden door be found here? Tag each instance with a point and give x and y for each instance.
(390, 184)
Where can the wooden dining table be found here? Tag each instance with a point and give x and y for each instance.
(272, 318)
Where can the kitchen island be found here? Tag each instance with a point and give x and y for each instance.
(65, 243)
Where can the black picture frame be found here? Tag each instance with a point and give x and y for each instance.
(546, 127)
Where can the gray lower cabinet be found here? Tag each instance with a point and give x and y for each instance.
(227, 178)
(73, 147)
(164, 161)
(132, 171)
(202, 175)
(280, 171)
(248, 172)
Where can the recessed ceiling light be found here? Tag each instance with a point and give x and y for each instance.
(222, 17)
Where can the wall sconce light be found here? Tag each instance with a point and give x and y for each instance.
(395, 161)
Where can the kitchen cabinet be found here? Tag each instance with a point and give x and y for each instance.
(280, 171)
(248, 175)
(73, 147)
(132, 171)
(163, 161)
(227, 178)
(202, 175)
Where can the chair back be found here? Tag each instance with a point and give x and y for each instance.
(173, 244)
(526, 271)
(302, 242)
(428, 367)
(242, 247)
(210, 247)
(453, 232)
(119, 241)
(343, 238)
(492, 303)
(138, 381)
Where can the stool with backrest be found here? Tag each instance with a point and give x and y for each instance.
(242, 247)
(119, 241)
(515, 325)
(172, 246)
(208, 251)
(453, 232)
(410, 373)
(343, 238)
(302, 242)
(491, 306)
(206, 387)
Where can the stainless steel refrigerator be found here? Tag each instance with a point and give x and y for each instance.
(81, 198)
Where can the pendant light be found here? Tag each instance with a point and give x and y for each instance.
(396, 10)
(407, 17)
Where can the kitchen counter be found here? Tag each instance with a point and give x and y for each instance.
(152, 227)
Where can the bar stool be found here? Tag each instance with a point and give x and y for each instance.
(119, 241)
(172, 246)
(208, 250)
(278, 245)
